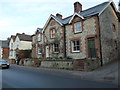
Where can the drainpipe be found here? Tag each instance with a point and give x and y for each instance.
(100, 42)
(64, 40)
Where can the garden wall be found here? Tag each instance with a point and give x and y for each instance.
(82, 65)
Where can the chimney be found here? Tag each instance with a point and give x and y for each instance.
(59, 15)
(77, 7)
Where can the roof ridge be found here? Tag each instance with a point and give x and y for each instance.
(94, 6)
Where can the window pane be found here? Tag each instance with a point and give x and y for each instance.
(75, 45)
(39, 37)
(77, 42)
(56, 48)
(78, 27)
(78, 48)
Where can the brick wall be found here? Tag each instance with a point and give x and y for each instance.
(5, 53)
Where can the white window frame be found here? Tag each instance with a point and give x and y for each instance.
(11, 45)
(39, 50)
(75, 46)
(55, 48)
(78, 27)
(52, 33)
(39, 37)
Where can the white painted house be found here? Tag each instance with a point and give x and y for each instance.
(20, 42)
(12, 48)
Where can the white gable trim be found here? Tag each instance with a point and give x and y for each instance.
(110, 1)
(74, 16)
(51, 16)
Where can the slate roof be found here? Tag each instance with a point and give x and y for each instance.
(5, 44)
(86, 13)
(13, 37)
(0, 43)
(24, 37)
(39, 29)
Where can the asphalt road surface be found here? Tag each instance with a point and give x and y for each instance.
(29, 77)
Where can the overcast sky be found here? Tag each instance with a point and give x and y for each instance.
(18, 16)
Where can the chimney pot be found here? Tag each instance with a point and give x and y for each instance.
(59, 15)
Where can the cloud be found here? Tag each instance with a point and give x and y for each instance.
(51, 1)
(18, 16)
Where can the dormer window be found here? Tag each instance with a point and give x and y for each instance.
(39, 37)
(77, 27)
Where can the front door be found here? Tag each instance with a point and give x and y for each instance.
(91, 48)
(47, 51)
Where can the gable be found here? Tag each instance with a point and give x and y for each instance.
(57, 20)
(112, 4)
(74, 16)
(17, 39)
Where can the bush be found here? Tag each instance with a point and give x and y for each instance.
(68, 57)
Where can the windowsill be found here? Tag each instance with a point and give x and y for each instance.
(52, 38)
(77, 32)
(56, 52)
(39, 53)
(75, 51)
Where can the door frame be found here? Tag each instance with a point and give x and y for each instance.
(46, 51)
(87, 52)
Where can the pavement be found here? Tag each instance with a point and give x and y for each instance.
(107, 73)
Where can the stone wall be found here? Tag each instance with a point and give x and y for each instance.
(89, 28)
(108, 21)
(82, 65)
(58, 64)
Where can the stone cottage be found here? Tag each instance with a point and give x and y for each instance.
(53, 37)
(92, 33)
(37, 44)
(87, 34)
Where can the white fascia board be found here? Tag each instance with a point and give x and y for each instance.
(51, 16)
(110, 1)
(74, 16)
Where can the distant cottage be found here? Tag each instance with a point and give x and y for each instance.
(19, 42)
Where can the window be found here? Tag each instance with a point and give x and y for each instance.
(39, 37)
(52, 33)
(11, 53)
(17, 45)
(39, 50)
(11, 45)
(56, 48)
(78, 27)
(75, 46)
(114, 27)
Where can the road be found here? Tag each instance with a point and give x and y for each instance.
(29, 77)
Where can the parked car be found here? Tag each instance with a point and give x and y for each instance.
(4, 63)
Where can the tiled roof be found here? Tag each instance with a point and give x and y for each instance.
(24, 37)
